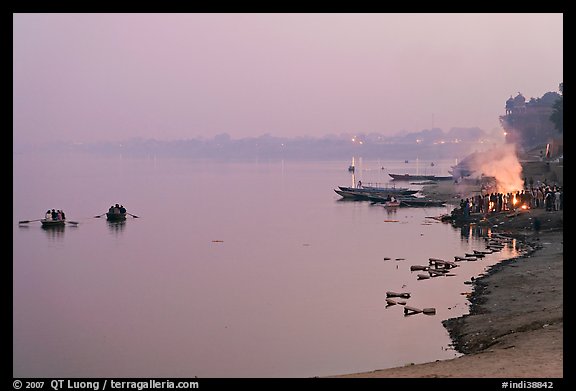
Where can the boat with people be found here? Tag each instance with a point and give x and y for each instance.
(53, 218)
(116, 213)
(49, 223)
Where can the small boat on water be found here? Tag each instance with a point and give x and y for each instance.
(421, 202)
(383, 198)
(379, 190)
(115, 216)
(49, 223)
(374, 196)
(410, 177)
(407, 201)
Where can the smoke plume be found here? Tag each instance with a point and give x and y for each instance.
(500, 162)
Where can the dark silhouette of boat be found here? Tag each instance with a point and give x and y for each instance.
(49, 223)
(410, 177)
(379, 190)
(116, 216)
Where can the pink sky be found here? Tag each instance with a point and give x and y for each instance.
(94, 77)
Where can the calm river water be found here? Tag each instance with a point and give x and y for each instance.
(233, 269)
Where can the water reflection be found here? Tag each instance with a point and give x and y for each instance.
(486, 233)
(391, 211)
(116, 227)
(339, 279)
(476, 231)
(55, 232)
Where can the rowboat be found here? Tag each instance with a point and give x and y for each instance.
(115, 216)
(49, 223)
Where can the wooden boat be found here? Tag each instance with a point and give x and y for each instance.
(49, 223)
(410, 177)
(115, 216)
(383, 198)
(420, 202)
(365, 195)
(380, 190)
(352, 194)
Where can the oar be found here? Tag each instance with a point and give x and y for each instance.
(100, 215)
(132, 215)
(28, 221)
(72, 222)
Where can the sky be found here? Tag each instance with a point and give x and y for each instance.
(90, 77)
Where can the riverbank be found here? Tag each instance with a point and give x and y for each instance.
(515, 325)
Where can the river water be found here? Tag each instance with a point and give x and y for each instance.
(231, 269)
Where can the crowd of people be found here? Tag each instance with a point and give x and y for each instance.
(549, 197)
(55, 215)
(117, 209)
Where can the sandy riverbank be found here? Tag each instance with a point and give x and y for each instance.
(515, 326)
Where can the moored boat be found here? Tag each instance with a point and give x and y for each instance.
(421, 202)
(410, 177)
(379, 190)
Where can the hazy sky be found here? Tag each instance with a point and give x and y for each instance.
(91, 77)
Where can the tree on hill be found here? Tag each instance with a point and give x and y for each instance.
(557, 116)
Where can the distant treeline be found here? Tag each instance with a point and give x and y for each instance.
(426, 144)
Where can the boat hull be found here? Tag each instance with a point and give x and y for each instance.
(352, 195)
(115, 216)
(379, 190)
(417, 202)
(52, 223)
(409, 177)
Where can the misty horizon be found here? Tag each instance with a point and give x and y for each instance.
(426, 144)
(90, 78)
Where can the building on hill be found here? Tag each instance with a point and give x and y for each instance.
(527, 123)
